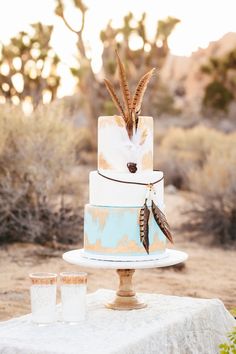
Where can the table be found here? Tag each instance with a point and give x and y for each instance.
(125, 298)
(169, 325)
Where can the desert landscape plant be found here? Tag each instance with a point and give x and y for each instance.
(182, 150)
(214, 183)
(28, 67)
(229, 348)
(36, 154)
(221, 90)
(203, 161)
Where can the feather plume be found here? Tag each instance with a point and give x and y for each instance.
(114, 97)
(143, 225)
(124, 89)
(161, 221)
(140, 90)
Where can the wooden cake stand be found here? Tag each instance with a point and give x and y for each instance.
(126, 298)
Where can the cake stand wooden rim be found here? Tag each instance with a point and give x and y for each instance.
(173, 257)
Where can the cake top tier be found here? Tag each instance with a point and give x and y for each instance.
(125, 142)
(117, 152)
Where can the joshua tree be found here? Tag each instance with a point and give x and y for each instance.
(28, 66)
(88, 85)
(221, 90)
(152, 53)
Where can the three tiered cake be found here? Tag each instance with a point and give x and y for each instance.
(124, 219)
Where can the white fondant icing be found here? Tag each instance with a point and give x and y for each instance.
(116, 149)
(104, 192)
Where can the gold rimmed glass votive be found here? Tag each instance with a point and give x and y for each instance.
(73, 296)
(43, 292)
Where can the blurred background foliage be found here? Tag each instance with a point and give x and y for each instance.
(43, 140)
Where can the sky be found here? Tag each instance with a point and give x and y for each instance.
(202, 21)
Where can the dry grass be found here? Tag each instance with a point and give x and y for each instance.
(215, 182)
(183, 150)
(203, 160)
(36, 155)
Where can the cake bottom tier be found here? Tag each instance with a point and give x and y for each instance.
(114, 231)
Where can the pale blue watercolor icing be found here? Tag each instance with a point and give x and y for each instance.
(120, 221)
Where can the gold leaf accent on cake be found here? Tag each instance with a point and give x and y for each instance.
(143, 137)
(145, 122)
(124, 246)
(119, 121)
(147, 161)
(99, 214)
(105, 121)
(103, 163)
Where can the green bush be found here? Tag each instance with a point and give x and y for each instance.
(229, 348)
(217, 97)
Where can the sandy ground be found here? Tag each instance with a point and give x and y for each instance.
(208, 273)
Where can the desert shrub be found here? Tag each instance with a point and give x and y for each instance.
(84, 141)
(35, 152)
(203, 161)
(183, 150)
(215, 183)
(217, 97)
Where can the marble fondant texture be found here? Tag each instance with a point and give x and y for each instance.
(106, 192)
(115, 231)
(116, 149)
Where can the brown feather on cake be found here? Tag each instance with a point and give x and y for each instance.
(114, 97)
(140, 90)
(132, 106)
(143, 226)
(162, 222)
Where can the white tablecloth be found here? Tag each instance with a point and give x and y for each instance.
(169, 325)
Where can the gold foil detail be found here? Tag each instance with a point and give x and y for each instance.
(98, 214)
(146, 122)
(111, 120)
(102, 163)
(73, 279)
(43, 280)
(104, 121)
(143, 137)
(119, 121)
(124, 246)
(147, 161)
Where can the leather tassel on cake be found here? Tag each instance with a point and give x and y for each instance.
(161, 221)
(143, 223)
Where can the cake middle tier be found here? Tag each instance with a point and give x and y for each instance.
(123, 189)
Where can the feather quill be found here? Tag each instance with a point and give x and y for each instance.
(161, 221)
(114, 97)
(143, 226)
(140, 90)
(124, 89)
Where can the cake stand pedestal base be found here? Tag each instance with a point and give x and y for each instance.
(125, 296)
